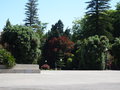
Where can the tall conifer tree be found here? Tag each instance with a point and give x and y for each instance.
(31, 13)
(97, 20)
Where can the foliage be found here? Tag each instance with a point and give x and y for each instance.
(61, 43)
(118, 6)
(22, 42)
(76, 55)
(57, 46)
(45, 66)
(69, 64)
(97, 20)
(67, 33)
(56, 30)
(91, 54)
(116, 53)
(8, 25)
(6, 58)
(40, 28)
(31, 13)
(116, 22)
(78, 28)
(54, 46)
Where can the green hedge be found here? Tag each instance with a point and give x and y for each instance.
(6, 58)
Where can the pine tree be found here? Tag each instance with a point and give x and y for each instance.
(8, 25)
(98, 6)
(97, 20)
(31, 13)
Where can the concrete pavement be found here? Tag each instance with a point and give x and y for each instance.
(62, 80)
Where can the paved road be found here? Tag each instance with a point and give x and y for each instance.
(62, 80)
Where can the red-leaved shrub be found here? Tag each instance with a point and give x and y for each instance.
(45, 66)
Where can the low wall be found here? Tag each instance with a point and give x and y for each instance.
(21, 68)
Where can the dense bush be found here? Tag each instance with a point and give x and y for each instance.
(91, 54)
(22, 42)
(116, 53)
(6, 58)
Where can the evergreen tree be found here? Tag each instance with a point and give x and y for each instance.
(31, 13)
(57, 47)
(56, 30)
(116, 23)
(8, 25)
(97, 20)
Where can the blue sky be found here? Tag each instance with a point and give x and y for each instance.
(50, 11)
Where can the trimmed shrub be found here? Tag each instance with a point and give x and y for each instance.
(45, 66)
(6, 58)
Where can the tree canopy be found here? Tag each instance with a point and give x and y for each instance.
(22, 42)
(97, 20)
(57, 45)
(91, 53)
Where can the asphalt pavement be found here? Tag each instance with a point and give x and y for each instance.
(62, 80)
